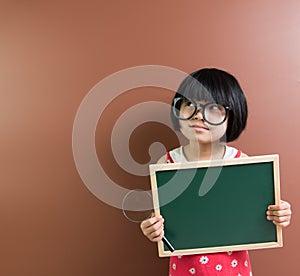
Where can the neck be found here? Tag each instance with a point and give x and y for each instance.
(197, 152)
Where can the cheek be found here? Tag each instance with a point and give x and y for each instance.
(182, 125)
(186, 130)
(219, 131)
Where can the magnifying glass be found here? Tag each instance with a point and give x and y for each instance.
(137, 205)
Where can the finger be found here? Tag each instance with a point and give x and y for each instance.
(153, 222)
(285, 202)
(149, 222)
(279, 213)
(282, 206)
(154, 229)
(282, 224)
(279, 219)
(156, 236)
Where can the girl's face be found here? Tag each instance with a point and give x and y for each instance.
(196, 129)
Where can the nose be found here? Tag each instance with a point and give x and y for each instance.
(198, 115)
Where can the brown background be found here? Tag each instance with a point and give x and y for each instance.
(53, 52)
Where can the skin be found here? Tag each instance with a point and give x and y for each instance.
(205, 139)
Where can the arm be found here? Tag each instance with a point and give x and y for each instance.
(153, 228)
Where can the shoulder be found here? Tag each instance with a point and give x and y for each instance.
(175, 155)
(232, 152)
(162, 160)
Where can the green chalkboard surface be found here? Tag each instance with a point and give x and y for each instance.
(217, 206)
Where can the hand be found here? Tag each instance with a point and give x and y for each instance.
(280, 214)
(153, 228)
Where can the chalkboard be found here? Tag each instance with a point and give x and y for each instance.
(216, 206)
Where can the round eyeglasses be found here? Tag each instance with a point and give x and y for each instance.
(212, 113)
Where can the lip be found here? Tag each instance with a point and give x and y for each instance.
(199, 127)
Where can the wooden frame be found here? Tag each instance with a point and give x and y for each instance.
(253, 184)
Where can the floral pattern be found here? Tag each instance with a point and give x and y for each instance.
(192, 271)
(204, 260)
(235, 263)
(219, 267)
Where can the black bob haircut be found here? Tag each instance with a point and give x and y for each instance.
(211, 84)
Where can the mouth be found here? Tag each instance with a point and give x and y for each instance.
(199, 127)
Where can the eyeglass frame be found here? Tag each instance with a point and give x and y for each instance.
(202, 108)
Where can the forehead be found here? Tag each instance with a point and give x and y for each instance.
(198, 102)
(203, 96)
(195, 90)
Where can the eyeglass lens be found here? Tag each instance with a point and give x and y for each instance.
(212, 113)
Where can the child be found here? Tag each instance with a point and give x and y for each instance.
(209, 109)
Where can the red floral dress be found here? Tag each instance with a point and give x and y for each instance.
(234, 263)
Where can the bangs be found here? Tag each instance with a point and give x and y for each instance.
(193, 89)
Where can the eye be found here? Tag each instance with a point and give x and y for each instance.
(215, 107)
(189, 103)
